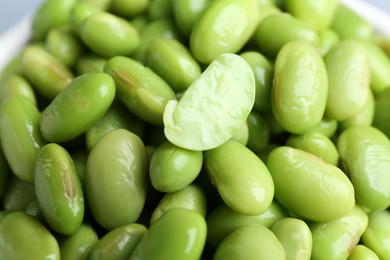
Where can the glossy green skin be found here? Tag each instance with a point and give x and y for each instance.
(221, 221)
(380, 67)
(185, 13)
(316, 144)
(81, 11)
(263, 72)
(241, 178)
(328, 38)
(276, 30)
(178, 234)
(214, 107)
(50, 14)
(109, 35)
(259, 243)
(173, 168)
(295, 237)
(300, 87)
(381, 114)
(360, 252)
(16, 232)
(242, 135)
(128, 9)
(376, 236)
(259, 133)
(215, 32)
(64, 44)
(350, 25)
(173, 62)
(78, 107)
(327, 127)
(349, 79)
(365, 155)
(159, 9)
(16, 85)
(117, 116)
(20, 136)
(160, 28)
(90, 64)
(119, 243)
(364, 118)
(336, 239)
(191, 197)
(18, 194)
(58, 189)
(308, 186)
(78, 245)
(116, 180)
(141, 90)
(318, 13)
(48, 75)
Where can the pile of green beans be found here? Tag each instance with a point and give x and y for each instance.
(208, 129)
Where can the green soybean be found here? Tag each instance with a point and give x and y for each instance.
(160, 9)
(376, 235)
(214, 106)
(327, 127)
(178, 234)
(58, 189)
(48, 75)
(300, 88)
(16, 230)
(259, 133)
(295, 237)
(242, 135)
(81, 11)
(365, 155)
(308, 186)
(4, 173)
(116, 179)
(20, 136)
(18, 194)
(361, 252)
(215, 32)
(78, 107)
(276, 30)
(141, 90)
(173, 168)
(128, 9)
(109, 35)
(119, 243)
(90, 64)
(335, 239)
(16, 85)
(328, 38)
(78, 245)
(381, 116)
(349, 75)
(258, 241)
(173, 62)
(221, 221)
(191, 197)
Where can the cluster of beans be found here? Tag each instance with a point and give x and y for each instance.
(181, 129)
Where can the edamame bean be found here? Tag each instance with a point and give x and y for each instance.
(259, 133)
(16, 85)
(258, 241)
(242, 135)
(18, 194)
(79, 245)
(128, 9)
(349, 76)
(109, 35)
(160, 9)
(173, 168)
(327, 127)
(119, 243)
(103, 5)
(328, 38)
(4, 174)
(243, 181)
(365, 155)
(276, 30)
(361, 252)
(78, 107)
(81, 11)
(20, 136)
(90, 64)
(376, 236)
(215, 32)
(381, 115)
(295, 237)
(16, 232)
(116, 179)
(191, 197)
(173, 62)
(308, 186)
(58, 189)
(337, 238)
(300, 88)
(178, 234)
(214, 106)
(48, 75)
(141, 90)
(221, 221)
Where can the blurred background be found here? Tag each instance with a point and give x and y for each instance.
(12, 11)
